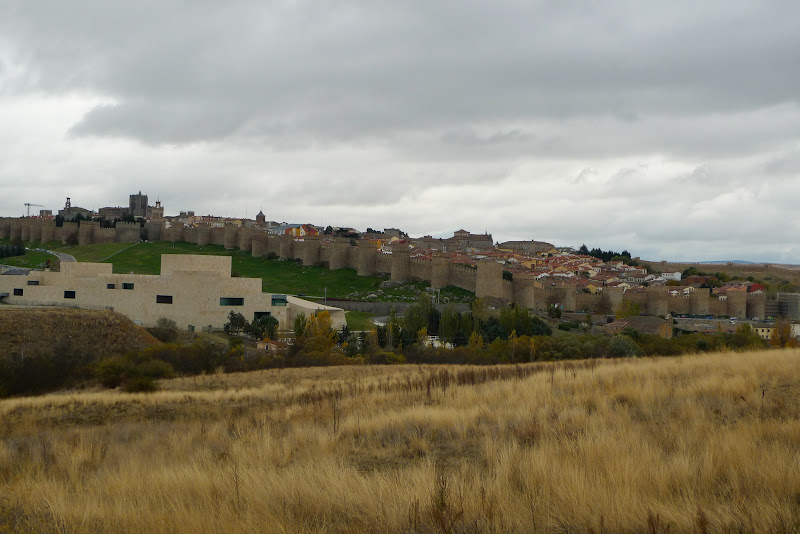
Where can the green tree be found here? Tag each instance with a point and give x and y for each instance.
(622, 346)
(236, 323)
(263, 327)
(448, 324)
(418, 316)
(475, 341)
(234, 358)
(300, 322)
(508, 319)
(393, 328)
(319, 335)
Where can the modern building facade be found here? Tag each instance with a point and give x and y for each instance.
(195, 291)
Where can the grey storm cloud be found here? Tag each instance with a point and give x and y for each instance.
(667, 128)
(182, 72)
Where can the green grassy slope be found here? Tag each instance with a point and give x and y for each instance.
(31, 260)
(357, 320)
(97, 253)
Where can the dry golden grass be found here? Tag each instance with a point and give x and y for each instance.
(38, 330)
(692, 444)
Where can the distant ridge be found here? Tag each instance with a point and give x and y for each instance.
(743, 262)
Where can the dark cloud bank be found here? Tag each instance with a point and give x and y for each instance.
(668, 129)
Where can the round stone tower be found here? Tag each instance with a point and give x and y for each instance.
(440, 270)
(311, 250)
(287, 248)
(338, 254)
(231, 237)
(401, 263)
(367, 256)
(490, 279)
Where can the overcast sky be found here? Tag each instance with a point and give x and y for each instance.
(671, 129)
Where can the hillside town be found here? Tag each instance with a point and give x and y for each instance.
(536, 274)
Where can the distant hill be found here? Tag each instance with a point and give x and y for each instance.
(740, 262)
(782, 277)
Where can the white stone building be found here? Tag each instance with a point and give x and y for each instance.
(195, 291)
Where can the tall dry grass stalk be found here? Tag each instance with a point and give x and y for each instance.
(700, 443)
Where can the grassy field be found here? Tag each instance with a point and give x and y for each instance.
(95, 253)
(693, 444)
(357, 320)
(277, 276)
(32, 260)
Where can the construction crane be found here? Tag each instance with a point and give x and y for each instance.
(29, 207)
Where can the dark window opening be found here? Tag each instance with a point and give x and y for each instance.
(127, 285)
(33, 282)
(69, 294)
(279, 300)
(163, 299)
(231, 301)
(17, 292)
(259, 315)
(111, 286)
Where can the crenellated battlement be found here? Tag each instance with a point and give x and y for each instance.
(485, 279)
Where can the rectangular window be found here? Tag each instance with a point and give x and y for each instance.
(127, 285)
(111, 286)
(33, 282)
(18, 292)
(69, 294)
(231, 301)
(259, 315)
(279, 300)
(163, 299)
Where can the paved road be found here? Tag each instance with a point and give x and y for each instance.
(61, 256)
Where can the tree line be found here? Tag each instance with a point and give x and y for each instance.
(607, 255)
(8, 251)
(478, 337)
(481, 336)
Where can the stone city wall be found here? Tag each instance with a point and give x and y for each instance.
(420, 269)
(153, 230)
(190, 235)
(105, 235)
(383, 263)
(485, 280)
(128, 232)
(463, 276)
